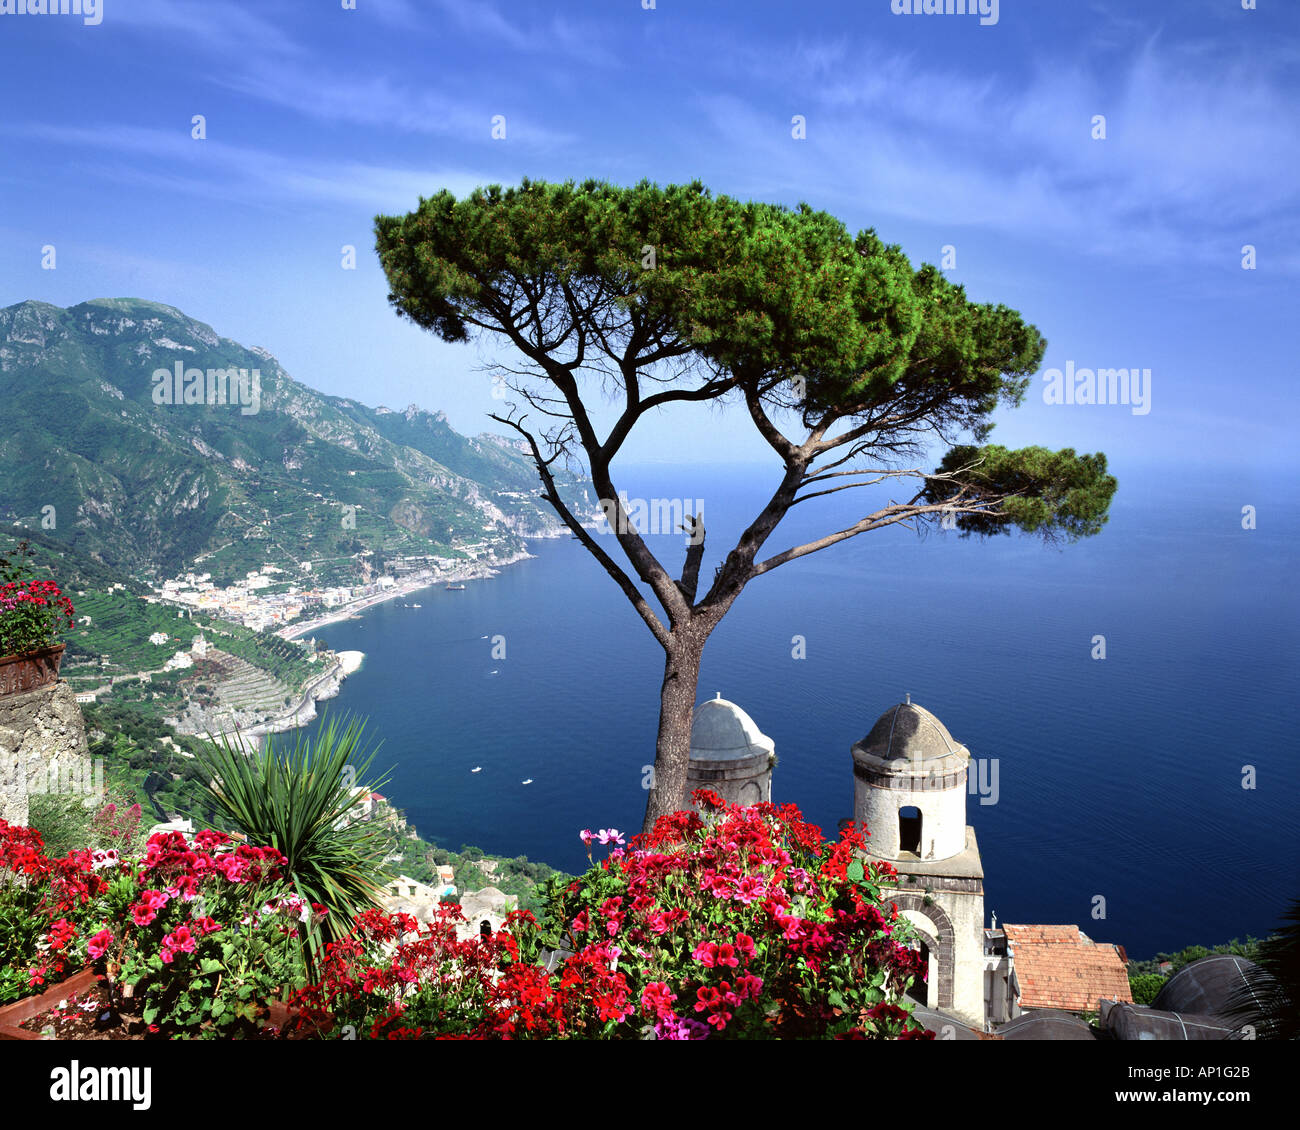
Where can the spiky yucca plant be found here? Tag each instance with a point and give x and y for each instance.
(297, 798)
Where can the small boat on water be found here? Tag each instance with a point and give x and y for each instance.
(529, 781)
(417, 606)
(455, 588)
(477, 769)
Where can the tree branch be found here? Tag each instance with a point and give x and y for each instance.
(690, 581)
(633, 594)
(889, 516)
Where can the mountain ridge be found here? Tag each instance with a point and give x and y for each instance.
(147, 485)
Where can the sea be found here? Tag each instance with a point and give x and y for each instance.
(1132, 696)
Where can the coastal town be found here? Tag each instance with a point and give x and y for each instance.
(286, 600)
(283, 602)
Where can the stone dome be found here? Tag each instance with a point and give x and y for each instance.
(908, 732)
(721, 731)
(1209, 985)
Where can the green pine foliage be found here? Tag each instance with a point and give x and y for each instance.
(1057, 495)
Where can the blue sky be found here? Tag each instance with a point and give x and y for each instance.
(933, 129)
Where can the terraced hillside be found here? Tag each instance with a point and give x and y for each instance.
(226, 693)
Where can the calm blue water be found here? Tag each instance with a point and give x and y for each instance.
(1120, 778)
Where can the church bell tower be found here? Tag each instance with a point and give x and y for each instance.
(909, 789)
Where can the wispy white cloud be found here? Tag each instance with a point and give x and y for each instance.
(576, 42)
(164, 161)
(558, 35)
(377, 101)
(273, 61)
(484, 21)
(405, 15)
(1199, 144)
(209, 28)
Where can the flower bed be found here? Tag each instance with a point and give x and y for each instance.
(44, 904)
(204, 936)
(193, 940)
(741, 923)
(26, 1019)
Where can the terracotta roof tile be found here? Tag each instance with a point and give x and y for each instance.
(1061, 967)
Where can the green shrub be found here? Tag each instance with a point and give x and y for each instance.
(1145, 987)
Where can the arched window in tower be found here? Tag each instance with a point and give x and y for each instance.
(909, 830)
(919, 990)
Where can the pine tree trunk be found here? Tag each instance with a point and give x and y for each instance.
(676, 711)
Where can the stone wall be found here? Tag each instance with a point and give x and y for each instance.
(952, 923)
(42, 747)
(737, 780)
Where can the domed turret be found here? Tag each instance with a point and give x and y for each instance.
(910, 786)
(910, 732)
(909, 789)
(729, 754)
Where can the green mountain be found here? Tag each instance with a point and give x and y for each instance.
(142, 439)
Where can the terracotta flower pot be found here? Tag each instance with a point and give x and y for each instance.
(281, 1014)
(31, 670)
(12, 1015)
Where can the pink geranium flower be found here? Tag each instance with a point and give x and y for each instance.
(657, 1001)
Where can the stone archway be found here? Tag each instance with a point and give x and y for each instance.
(943, 947)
